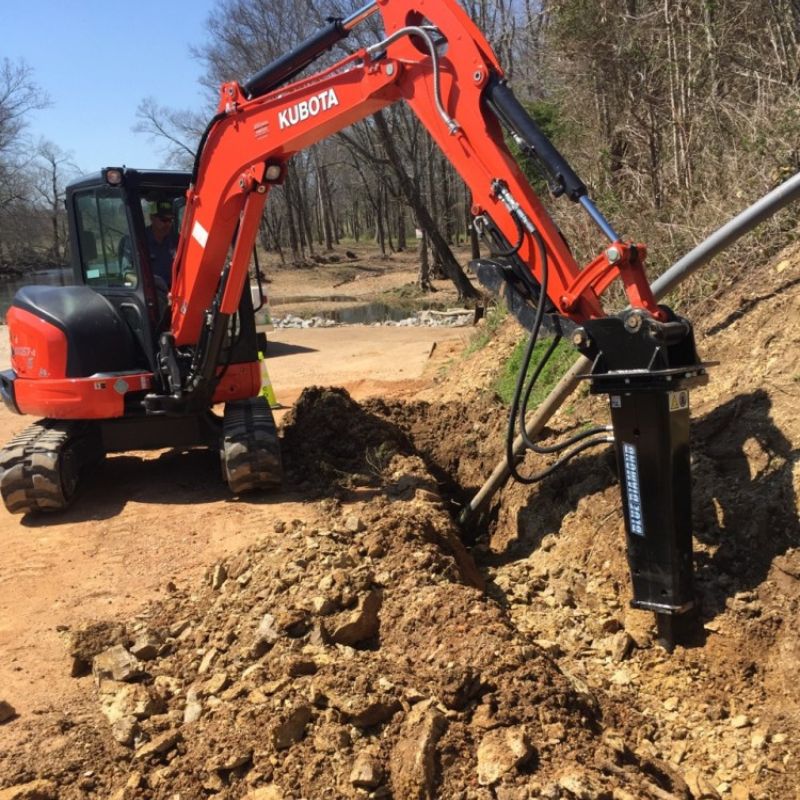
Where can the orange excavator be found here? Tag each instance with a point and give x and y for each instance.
(128, 359)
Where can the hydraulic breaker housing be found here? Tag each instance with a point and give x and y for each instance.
(647, 367)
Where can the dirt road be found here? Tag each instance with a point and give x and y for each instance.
(139, 525)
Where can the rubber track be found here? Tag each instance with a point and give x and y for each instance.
(251, 455)
(39, 467)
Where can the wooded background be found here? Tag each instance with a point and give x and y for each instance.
(676, 113)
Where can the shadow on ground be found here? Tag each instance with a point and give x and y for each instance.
(744, 509)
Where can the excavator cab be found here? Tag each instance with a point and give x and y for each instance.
(88, 358)
(111, 222)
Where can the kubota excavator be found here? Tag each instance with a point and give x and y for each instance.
(117, 363)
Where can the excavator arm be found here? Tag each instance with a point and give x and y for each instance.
(437, 61)
(459, 95)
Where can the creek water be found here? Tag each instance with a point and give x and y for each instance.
(366, 314)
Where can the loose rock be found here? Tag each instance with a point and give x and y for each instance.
(292, 729)
(271, 792)
(7, 711)
(366, 710)
(193, 709)
(131, 700)
(146, 646)
(367, 772)
(35, 790)
(413, 759)
(218, 576)
(363, 623)
(500, 751)
(700, 786)
(125, 730)
(116, 664)
(159, 745)
(621, 646)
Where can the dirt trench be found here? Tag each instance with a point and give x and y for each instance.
(724, 708)
(360, 650)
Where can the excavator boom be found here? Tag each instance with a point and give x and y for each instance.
(460, 97)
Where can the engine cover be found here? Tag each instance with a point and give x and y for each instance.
(68, 332)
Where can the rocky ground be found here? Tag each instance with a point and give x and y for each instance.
(364, 650)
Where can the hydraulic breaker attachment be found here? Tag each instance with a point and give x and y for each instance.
(646, 367)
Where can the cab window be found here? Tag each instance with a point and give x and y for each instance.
(104, 238)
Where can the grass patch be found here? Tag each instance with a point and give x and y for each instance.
(494, 319)
(564, 356)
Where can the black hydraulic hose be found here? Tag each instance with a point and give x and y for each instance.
(513, 249)
(258, 280)
(202, 143)
(537, 324)
(516, 403)
(565, 458)
(562, 445)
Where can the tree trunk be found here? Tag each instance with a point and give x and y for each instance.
(424, 279)
(305, 212)
(401, 227)
(294, 241)
(380, 234)
(450, 266)
(323, 192)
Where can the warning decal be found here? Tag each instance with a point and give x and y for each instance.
(678, 400)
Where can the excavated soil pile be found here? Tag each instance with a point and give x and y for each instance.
(355, 657)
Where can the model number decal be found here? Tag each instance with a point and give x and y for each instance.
(631, 465)
(307, 108)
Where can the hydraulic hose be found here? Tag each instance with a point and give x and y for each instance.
(522, 394)
(717, 242)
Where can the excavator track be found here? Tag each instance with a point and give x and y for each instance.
(40, 467)
(251, 455)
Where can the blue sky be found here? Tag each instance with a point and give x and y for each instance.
(97, 60)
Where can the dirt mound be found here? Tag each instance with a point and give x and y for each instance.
(353, 656)
(330, 440)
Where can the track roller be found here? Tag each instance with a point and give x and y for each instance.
(40, 467)
(251, 456)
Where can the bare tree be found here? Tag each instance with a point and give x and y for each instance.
(177, 131)
(19, 95)
(53, 168)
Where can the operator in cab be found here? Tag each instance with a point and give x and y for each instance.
(162, 241)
